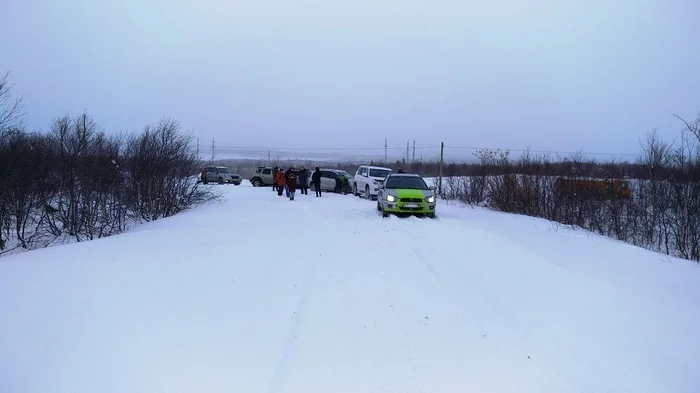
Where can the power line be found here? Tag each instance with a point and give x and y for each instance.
(318, 148)
(386, 148)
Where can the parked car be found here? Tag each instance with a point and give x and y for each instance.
(328, 180)
(367, 180)
(222, 175)
(262, 177)
(406, 193)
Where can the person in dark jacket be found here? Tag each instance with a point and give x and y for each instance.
(316, 180)
(286, 180)
(274, 178)
(338, 185)
(292, 185)
(344, 184)
(304, 181)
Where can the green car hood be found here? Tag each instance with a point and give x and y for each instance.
(409, 193)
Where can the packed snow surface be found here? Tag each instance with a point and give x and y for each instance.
(262, 294)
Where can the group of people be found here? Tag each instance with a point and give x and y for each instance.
(286, 181)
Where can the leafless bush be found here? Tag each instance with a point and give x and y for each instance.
(660, 210)
(162, 169)
(11, 113)
(76, 182)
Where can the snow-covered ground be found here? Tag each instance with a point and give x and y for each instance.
(260, 294)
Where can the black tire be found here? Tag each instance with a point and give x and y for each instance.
(431, 215)
(354, 190)
(379, 207)
(367, 195)
(221, 180)
(256, 182)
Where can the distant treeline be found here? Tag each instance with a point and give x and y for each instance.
(490, 162)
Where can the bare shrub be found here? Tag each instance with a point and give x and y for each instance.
(162, 169)
(11, 109)
(77, 182)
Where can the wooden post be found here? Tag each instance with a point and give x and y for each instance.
(442, 151)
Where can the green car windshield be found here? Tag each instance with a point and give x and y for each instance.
(406, 183)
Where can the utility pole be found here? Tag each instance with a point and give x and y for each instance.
(408, 142)
(385, 146)
(442, 151)
(213, 146)
(413, 159)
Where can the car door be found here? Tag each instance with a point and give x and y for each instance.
(266, 176)
(332, 179)
(356, 178)
(364, 180)
(326, 181)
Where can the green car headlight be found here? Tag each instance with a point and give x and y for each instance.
(391, 198)
(430, 199)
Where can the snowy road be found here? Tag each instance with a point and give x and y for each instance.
(260, 294)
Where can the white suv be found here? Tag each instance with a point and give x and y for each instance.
(367, 180)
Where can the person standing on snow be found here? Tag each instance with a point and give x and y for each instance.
(274, 178)
(292, 185)
(279, 178)
(316, 180)
(286, 180)
(344, 184)
(304, 181)
(338, 185)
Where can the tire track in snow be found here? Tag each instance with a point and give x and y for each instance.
(279, 375)
(522, 338)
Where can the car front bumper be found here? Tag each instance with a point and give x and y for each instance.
(409, 207)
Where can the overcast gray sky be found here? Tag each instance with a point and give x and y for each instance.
(557, 75)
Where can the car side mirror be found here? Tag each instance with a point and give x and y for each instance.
(381, 186)
(433, 188)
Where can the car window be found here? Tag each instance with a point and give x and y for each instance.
(379, 172)
(363, 171)
(332, 175)
(266, 171)
(406, 182)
